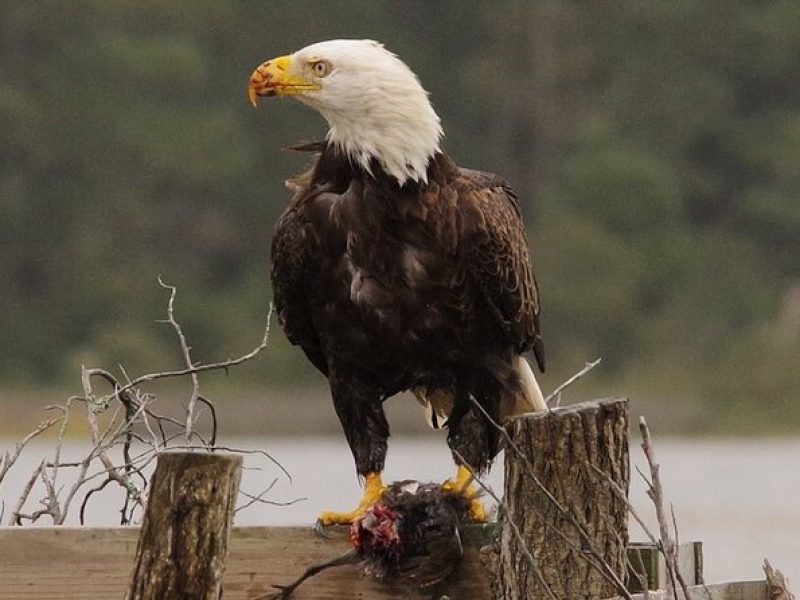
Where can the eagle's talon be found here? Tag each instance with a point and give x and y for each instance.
(462, 484)
(450, 485)
(477, 511)
(373, 492)
(330, 517)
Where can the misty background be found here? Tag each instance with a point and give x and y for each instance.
(654, 146)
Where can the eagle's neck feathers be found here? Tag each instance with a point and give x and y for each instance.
(400, 133)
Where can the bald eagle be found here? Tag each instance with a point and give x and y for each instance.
(394, 269)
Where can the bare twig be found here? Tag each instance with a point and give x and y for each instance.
(282, 592)
(88, 495)
(259, 498)
(187, 357)
(624, 497)
(263, 453)
(98, 440)
(556, 394)
(656, 494)
(200, 368)
(7, 460)
(678, 573)
(254, 499)
(16, 515)
(212, 409)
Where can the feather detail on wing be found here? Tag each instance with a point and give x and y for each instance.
(289, 273)
(498, 261)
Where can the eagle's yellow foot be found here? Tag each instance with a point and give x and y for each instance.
(463, 484)
(373, 491)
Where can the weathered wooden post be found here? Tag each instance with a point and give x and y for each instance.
(569, 522)
(183, 543)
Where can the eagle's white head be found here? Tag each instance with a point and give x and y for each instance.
(373, 102)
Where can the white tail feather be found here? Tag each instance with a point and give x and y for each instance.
(530, 387)
(438, 404)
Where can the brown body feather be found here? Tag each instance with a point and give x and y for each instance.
(425, 286)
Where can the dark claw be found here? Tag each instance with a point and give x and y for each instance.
(319, 530)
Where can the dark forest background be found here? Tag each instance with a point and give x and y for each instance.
(655, 147)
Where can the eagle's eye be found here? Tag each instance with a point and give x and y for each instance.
(321, 68)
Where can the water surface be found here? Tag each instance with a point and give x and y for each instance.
(739, 497)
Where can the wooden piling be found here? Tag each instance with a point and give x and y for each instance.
(563, 521)
(183, 542)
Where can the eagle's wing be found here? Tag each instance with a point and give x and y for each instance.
(291, 276)
(498, 261)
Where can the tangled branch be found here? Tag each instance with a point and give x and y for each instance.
(126, 434)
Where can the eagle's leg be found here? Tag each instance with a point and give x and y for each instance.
(360, 411)
(474, 442)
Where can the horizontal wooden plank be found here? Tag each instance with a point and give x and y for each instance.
(732, 590)
(95, 563)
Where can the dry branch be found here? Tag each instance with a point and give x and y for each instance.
(16, 514)
(7, 460)
(556, 393)
(187, 356)
(656, 493)
(128, 419)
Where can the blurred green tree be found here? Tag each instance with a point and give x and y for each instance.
(654, 146)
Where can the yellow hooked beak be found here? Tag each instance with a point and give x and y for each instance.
(273, 78)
